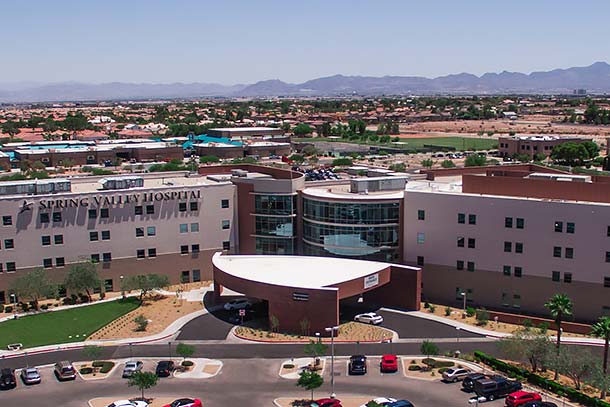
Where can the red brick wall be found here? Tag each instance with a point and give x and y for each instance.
(571, 327)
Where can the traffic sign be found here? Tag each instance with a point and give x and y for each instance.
(242, 312)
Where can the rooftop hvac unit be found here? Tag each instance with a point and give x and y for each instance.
(35, 187)
(122, 182)
(239, 173)
(366, 185)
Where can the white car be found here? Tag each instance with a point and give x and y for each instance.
(369, 318)
(239, 303)
(455, 374)
(382, 401)
(131, 367)
(127, 403)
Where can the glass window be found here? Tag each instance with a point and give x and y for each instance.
(556, 276)
(505, 300)
(567, 277)
(459, 265)
(322, 211)
(516, 301)
(106, 257)
(95, 258)
(556, 251)
(226, 245)
(461, 218)
(508, 247)
(421, 214)
(151, 230)
(570, 227)
(461, 241)
(152, 252)
(185, 277)
(138, 210)
(60, 261)
(194, 227)
(226, 224)
(470, 266)
(506, 270)
(508, 222)
(9, 244)
(108, 285)
(7, 220)
(195, 248)
(56, 216)
(44, 218)
(420, 260)
(267, 245)
(472, 219)
(182, 206)
(224, 203)
(10, 266)
(518, 271)
(93, 236)
(608, 231)
(558, 226)
(194, 206)
(139, 232)
(471, 243)
(140, 253)
(607, 257)
(196, 275)
(520, 223)
(92, 213)
(104, 213)
(184, 249)
(105, 235)
(421, 237)
(518, 247)
(607, 281)
(184, 228)
(46, 240)
(274, 226)
(150, 209)
(47, 263)
(569, 253)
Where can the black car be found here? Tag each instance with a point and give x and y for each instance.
(539, 404)
(357, 364)
(495, 387)
(165, 368)
(7, 379)
(468, 382)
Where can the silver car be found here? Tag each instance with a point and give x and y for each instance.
(131, 367)
(30, 375)
(455, 374)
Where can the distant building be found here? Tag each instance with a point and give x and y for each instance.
(255, 133)
(580, 92)
(531, 145)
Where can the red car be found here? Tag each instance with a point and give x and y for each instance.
(185, 402)
(326, 403)
(519, 398)
(389, 363)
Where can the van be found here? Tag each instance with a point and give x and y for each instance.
(64, 371)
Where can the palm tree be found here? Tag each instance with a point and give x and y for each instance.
(601, 329)
(560, 306)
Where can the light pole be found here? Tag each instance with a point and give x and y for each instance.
(14, 296)
(122, 287)
(332, 330)
(464, 294)
(169, 345)
(458, 329)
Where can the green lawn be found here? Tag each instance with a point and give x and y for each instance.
(57, 327)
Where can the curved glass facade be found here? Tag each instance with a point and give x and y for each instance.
(356, 230)
(274, 222)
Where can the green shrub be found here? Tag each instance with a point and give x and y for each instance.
(482, 317)
(447, 311)
(471, 311)
(8, 309)
(288, 366)
(432, 308)
(86, 370)
(104, 366)
(44, 307)
(426, 305)
(443, 370)
(187, 363)
(414, 367)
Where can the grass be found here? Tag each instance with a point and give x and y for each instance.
(432, 143)
(63, 326)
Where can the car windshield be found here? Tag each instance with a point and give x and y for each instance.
(32, 373)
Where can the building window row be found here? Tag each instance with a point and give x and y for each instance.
(46, 217)
(461, 242)
(568, 252)
(7, 220)
(516, 271)
(470, 266)
(184, 249)
(508, 247)
(570, 227)
(193, 206)
(421, 214)
(519, 223)
(94, 236)
(9, 267)
(46, 240)
(48, 262)
(9, 243)
(345, 213)
(139, 209)
(511, 300)
(150, 231)
(472, 218)
(104, 213)
(184, 227)
(556, 276)
(185, 276)
(106, 257)
(141, 253)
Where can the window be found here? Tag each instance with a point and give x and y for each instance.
(520, 223)
(44, 218)
(195, 248)
(505, 301)
(138, 210)
(607, 281)
(226, 224)
(470, 266)
(508, 247)
(58, 239)
(185, 277)
(472, 219)
(558, 226)
(557, 251)
(56, 216)
(459, 265)
(226, 245)
(570, 227)
(194, 206)
(184, 228)
(92, 213)
(569, 253)
(139, 232)
(518, 271)
(516, 301)
(7, 220)
(194, 227)
(608, 231)
(106, 257)
(60, 261)
(567, 277)
(421, 214)
(108, 286)
(151, 231)
(105, 235)
(152, 252)
(518, 247)
(9, 244)
(196, 275)
(93, 236)
(104, 213)
(420, 260)
(10, 266)
(460, 241)
(224, 203)
(506, 270)
(150, 209)
(508, 222)
(471, 243)
(46, 240)
(140, 253)
(556, 276)
(182, 206)
(461, 218)
(47, 263)
(184, 249)
(421, 237)
(607, 257)
(95, 258)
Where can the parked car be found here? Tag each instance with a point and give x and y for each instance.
(539, 404)
(185, 402)
(495, 387)
(357, 364)
(131, 367)
(326, 403)
(388, 364)
(30, 375)
(468, 381)
(7, 379)
(401, 403)
(519, 398)
(369, 318)
(238, 303)
(128, 403)
(382, 401)
(165, 368)
(455, 374)
(64, 371)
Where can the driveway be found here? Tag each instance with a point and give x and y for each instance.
(413, 327)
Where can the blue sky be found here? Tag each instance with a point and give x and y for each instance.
(230, 42)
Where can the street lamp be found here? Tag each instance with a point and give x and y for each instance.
(14, 296)
(458, 329)
(122, 287)
(464, 294)
(169, 345)
(332, 330)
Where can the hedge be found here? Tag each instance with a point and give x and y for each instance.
(433, 363)
(105, 367)
(539, 381)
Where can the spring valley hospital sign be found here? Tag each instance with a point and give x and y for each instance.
(113, 200)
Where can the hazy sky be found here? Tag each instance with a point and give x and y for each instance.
(245, 41)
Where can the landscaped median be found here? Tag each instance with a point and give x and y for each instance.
(355, 401)
(153, 402)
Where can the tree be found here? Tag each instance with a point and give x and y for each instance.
(204, 159)
(427, 163)
(601, 329)
(399, 167)
(185, 350)
(302, 129)
(475, 160)
(310, 381)
(342, 162)
(325, 130)
(539, 157)
(141, 323)
(428, 348)
(34, 286)
(315, 349)
(560, 306)
(11, 128)
(600, 379)
(145, 283)
(530, 344)
(309, 150)
(447, 164)
(92, 352)
(571, 153)
(143, 381)
(82, 276)
(576, 363)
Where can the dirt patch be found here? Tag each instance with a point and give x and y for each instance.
(95, 371)
(156, 402)
(350, 331)
(211, 368)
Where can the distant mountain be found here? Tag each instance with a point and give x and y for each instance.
(595, 78)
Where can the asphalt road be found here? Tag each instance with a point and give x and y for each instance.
(205, 327)
(413, 327)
